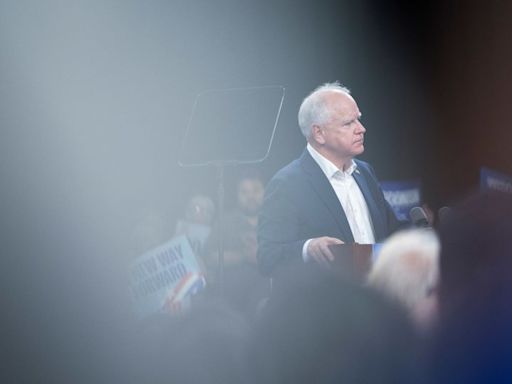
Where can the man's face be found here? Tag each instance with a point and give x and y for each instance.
(250, 195)
(342, 136)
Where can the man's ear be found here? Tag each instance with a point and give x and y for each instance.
(317, 134)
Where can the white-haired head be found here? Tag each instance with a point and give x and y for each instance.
(314, 109)
(407, 267)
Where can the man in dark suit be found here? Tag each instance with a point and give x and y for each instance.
(324, 197)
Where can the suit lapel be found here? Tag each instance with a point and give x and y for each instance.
(362, 182)
(324, 189)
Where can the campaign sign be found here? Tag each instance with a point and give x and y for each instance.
(402, 196)
(164, 278)
(497, 181)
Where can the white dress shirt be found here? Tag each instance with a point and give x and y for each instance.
(351, 199)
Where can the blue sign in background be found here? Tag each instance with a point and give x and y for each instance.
(495, 180)
(402, 196)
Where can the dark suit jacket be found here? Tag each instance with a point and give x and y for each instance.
(300, 204)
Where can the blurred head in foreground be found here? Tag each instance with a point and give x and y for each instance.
(407, 270)
(320, 329)
(474, 344)
(476, 241)
(206, 345)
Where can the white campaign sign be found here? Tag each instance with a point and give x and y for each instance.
(164, 277)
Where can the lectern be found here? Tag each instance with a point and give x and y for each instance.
(353, 261)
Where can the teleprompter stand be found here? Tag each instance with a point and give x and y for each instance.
(229, 127)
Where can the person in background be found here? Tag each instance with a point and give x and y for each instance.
(244, 287)
(239, 226)
(197, 223)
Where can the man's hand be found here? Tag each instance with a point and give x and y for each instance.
(318, 249)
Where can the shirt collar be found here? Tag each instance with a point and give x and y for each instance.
(327, 167)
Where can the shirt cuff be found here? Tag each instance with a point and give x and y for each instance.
(305, 255)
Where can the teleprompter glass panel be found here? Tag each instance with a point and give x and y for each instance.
(232, 125)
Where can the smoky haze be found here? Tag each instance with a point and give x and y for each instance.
(96, 96)
(94, 100)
